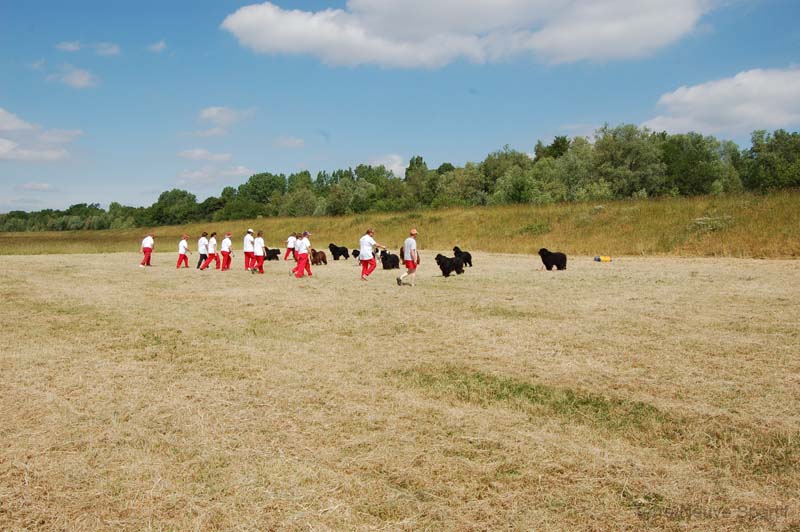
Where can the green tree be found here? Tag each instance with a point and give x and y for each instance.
(629, 159)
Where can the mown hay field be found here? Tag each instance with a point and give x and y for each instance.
(744, 226)
(642, 394)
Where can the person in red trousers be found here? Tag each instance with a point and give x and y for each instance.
(225, 250)
(183, 252)
(147, 248)
(290, 247)
(258, 254)
(248, 247)
(301, 247)
(366, 254)
(212, 251)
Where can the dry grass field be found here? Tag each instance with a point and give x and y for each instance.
(644, 394)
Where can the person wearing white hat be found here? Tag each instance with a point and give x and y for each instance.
(147, 248)
(410, 258)
(225, 250)
(302, 246)
(202, 249)
(249, 246)
(183, 251)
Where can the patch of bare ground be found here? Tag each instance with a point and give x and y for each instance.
(648, 393)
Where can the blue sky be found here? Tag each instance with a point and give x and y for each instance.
(118, 101)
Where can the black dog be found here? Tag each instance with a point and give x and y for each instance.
(465, 256)
(449, 265)
(273, 254)
(389, 261)
(559, 260)
(339, 251)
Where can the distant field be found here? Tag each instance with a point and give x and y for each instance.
(644, 394)
(755, 226)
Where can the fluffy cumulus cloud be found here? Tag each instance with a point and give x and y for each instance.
(750, 100)
(392, 162)
(220, 118)
(23, 141)
(199, 154)
(421, 33)
(74, 77)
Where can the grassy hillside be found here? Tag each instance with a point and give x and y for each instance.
(736, 226)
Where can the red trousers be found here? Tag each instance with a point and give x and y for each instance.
(146, 259)
(368, 266)
(289, 251)
(182, 259)
(211, 257)
(248, 260)
(226, 260)
(258, 262)
(303, 266)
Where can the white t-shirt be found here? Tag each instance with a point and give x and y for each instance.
(226, 245)
(183, 247)
(202, 246)
(365, 244)
(408, 245)
(290, 242)
(248, 242)
(147, 242)
(259, 247)
(212, 245)
(302, 245)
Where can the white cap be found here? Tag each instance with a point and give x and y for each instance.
(250, 231)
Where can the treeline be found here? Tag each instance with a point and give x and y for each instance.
(623, 162)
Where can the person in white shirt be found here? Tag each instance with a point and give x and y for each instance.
(212, 252)
(148, 243)
(366, 254)
(258, 253)
(183, 251)
(202, 249)
(225, 249)
(290, 247)
(301, 247)
(248, 247)
(410, 259)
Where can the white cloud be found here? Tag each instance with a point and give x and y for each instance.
(37, 65)
(212, 132)
(750, 100)
(106, 48)
(157, 47)
(422, 33)
(74, 77)
(291, 143)
(210, 175)
(100, 48)
(11, 122)
(39, 187)
(220, 118)
(69, 46)
(392, 162)
(23, 141)
(199, 154)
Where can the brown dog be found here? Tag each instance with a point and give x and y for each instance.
(318, 257)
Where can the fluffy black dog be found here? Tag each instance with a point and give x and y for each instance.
(389, 261)
(466, 257)
(550, 259)
(355, 253)
(339, 251)
(273, 254)
(449, 265)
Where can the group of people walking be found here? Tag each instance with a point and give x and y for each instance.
(298, 247)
